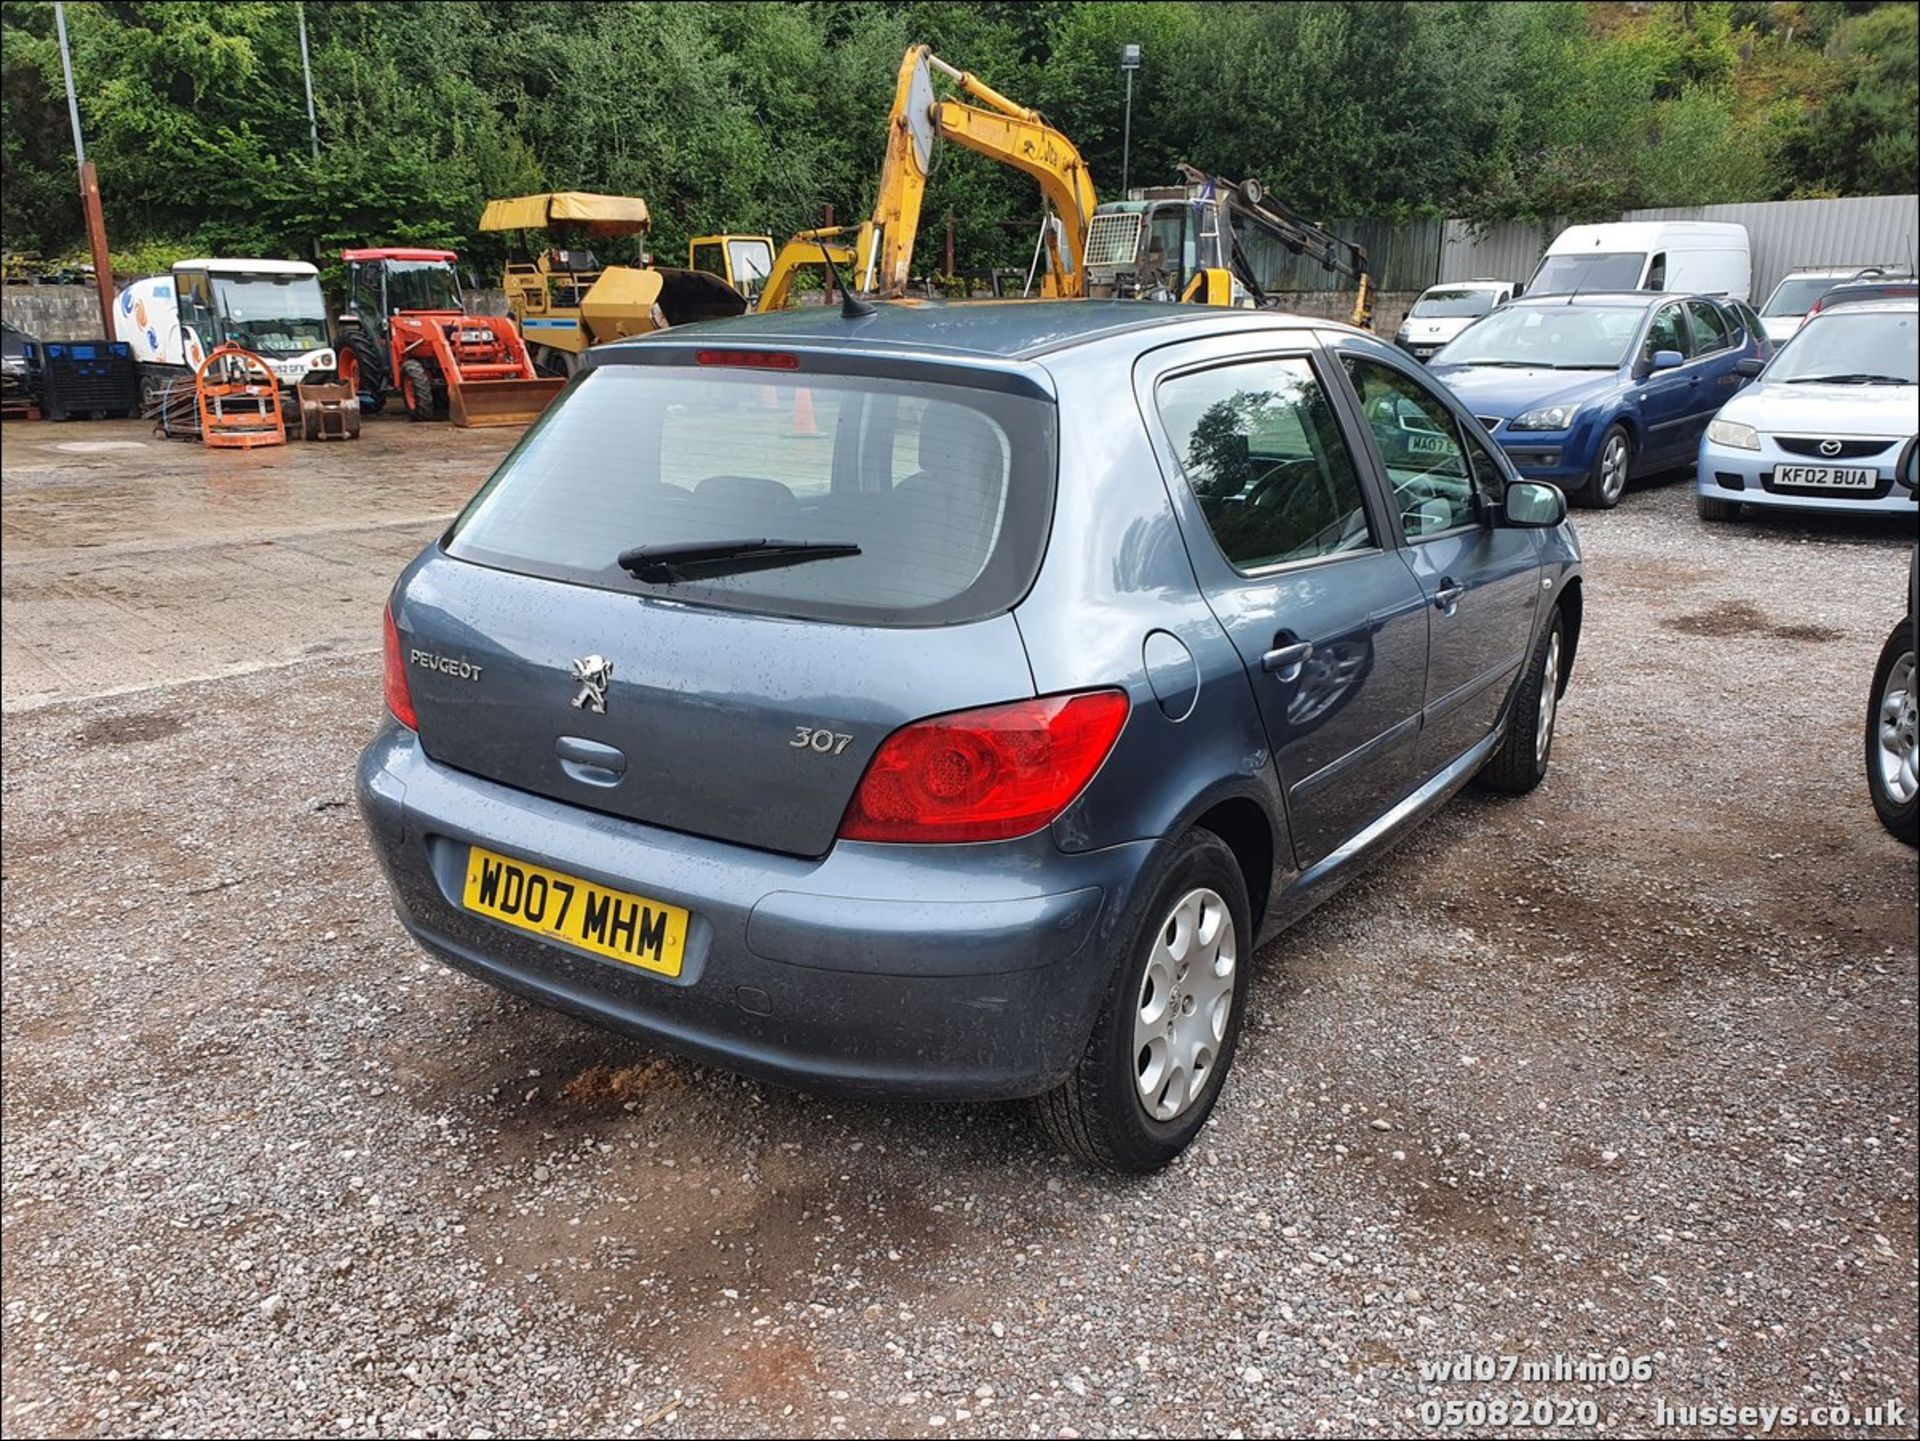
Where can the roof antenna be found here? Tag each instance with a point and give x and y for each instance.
(852, 307)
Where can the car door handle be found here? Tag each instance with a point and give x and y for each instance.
(1448, 596)
(1286, 661)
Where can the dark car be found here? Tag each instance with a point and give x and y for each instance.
(1874, 285)
(1588, 390)
(944, 703)
(15, 364)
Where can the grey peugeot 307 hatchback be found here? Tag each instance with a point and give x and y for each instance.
(943, 703)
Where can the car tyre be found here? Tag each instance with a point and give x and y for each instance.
(1713, 508)
(1891, 720)
(416, 389)
(1607, 480)
(1521, 762)
(1186, 948)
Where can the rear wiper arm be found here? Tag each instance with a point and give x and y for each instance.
(696, 559)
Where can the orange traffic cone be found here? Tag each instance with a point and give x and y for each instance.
(803, 424)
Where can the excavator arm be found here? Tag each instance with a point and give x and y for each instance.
(1249, 202)
(1007, 132)
(808, 247)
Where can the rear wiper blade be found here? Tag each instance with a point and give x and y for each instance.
(696, 559)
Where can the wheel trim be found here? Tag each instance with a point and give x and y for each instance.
(1613, 466)
(1184, 1004)
(1899, 726)
(1549, 699)
(350, 370)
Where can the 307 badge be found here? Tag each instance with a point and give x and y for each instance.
(622, 927)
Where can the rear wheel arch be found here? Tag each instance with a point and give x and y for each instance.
(1244, 825)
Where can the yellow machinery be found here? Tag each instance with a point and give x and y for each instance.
(564, 299)
(809, 247)
(882, 248)
(743, 261)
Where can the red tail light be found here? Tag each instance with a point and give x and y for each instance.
(984, 775)
(399, 698)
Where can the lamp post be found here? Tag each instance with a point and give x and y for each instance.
(89, 185)
(1129, 62)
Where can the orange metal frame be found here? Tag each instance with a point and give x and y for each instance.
(239, 399)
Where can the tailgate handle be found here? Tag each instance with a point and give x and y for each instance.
(590, 762)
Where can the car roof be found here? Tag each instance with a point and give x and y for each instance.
(1878, 305)
(1002, 329)
(1475, 284)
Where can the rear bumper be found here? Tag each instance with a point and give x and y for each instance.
(961, 972)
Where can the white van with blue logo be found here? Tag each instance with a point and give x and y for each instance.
(270, 307)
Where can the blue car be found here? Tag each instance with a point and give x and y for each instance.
(1587, 391)
(943, 701)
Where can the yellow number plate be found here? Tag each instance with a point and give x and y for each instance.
(614, 924)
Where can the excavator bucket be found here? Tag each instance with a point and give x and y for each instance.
(501, 402)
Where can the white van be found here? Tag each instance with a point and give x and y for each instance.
(1697, 256)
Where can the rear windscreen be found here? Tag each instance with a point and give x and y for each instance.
(946, 491)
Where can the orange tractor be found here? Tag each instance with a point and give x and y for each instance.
(406, 328)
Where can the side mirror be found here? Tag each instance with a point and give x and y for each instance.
(1750, 366)
(1518, 291)
(1666, 360)
(1534, 505)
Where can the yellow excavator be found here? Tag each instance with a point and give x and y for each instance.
(564, 299)
(880, 254)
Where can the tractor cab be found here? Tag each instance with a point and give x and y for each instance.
(743, 261)
(406, 328)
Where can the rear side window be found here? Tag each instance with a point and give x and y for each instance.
(1259, 445)
(946, 490)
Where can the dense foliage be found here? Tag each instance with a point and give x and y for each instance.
(736, 116)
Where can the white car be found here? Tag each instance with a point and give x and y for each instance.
(1443, 311)
(1796, 293)
(1824, 425)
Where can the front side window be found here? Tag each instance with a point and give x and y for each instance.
(1710, 331)
(1260, 447)
(1668, 332)
(945, 490)
(1427, 464)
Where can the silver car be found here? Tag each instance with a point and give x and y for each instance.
(1823, 426)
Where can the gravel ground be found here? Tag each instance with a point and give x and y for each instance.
(1624, 1068)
